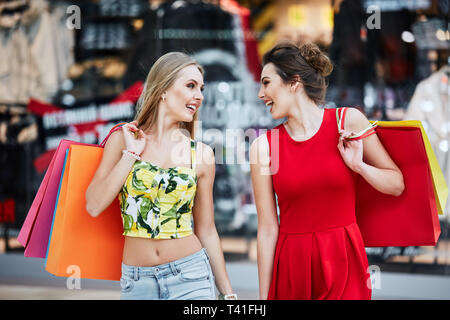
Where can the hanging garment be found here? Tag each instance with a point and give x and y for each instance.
(430, 104)
(178, 26)
(28, 63)
(320, 252)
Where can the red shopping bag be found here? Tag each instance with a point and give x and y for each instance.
(412, 218)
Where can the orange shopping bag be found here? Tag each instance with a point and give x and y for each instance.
(93, 245)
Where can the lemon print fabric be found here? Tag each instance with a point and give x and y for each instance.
(157, 202)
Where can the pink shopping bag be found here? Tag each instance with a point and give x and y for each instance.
(35, 231)
(34, 234)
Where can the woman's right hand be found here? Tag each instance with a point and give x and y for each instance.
(134, 137)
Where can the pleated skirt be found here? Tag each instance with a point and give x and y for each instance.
(326, 265)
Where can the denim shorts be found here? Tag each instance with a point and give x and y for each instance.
(188, 278)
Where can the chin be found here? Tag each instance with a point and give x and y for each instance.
(276, 116)
(188, 118)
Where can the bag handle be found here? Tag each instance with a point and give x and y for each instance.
(113, 129)
(340, 118)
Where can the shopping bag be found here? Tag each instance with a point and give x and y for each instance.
(34, 234)
(440, 187)
(91, 245)
(410, 219)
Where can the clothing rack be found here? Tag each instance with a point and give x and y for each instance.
(13, 108)
(13, 7)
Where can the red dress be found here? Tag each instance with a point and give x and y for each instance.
(320, 252)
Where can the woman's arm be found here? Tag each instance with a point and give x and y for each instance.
(267, 212)
(203, 213)
(368, 157)
(113, 170)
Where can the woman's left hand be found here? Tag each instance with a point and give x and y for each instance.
(351, 151)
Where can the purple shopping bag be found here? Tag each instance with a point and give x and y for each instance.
(34, 234)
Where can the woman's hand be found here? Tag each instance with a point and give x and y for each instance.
(351, 151)
(134, 137)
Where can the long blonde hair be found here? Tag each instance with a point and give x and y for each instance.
(161, 77)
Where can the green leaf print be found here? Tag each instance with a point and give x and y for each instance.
(155, 232)
(122, 201)
(172, 212)
(184, 208)
(144, 225)
(138, 184)
(127, 222)
(184, 176)
(165, 221)
(171, 187)
(145, 207)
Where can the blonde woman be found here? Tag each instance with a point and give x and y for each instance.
(163, 179)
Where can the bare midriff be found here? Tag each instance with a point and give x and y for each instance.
(143, 252)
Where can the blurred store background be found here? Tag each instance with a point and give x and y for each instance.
(73, 69)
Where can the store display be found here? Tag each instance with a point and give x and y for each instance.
(35, 54)
(122, 8)
(430, 104)
(61, 83)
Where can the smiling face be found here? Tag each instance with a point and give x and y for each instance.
(184, 97)
(275, 93)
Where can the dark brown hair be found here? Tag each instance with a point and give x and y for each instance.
(306, 61)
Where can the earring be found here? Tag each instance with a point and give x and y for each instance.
(164, 98)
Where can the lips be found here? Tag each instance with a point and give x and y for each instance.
(192, 108)
(269, 103)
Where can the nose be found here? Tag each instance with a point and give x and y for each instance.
(261, 93)
(198, 95)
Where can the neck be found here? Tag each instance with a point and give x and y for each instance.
(304, 117)
(165, 130)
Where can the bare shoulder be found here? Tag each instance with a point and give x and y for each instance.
(260, 150)
(115, 142)
(205, 158)
(204, 150)
(355, 120)
(260, 143)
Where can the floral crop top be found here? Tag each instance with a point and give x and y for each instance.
(157, 202)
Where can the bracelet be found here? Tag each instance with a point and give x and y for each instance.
(232, 296)
(132, 154)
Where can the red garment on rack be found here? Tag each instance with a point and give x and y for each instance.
(250, 41)
(320, 252)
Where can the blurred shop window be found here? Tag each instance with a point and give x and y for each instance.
(37, 50)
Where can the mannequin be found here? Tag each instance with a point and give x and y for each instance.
(430, 104)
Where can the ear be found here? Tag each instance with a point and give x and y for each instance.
(295, 83)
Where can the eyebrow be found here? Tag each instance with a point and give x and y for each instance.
(264, 78)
